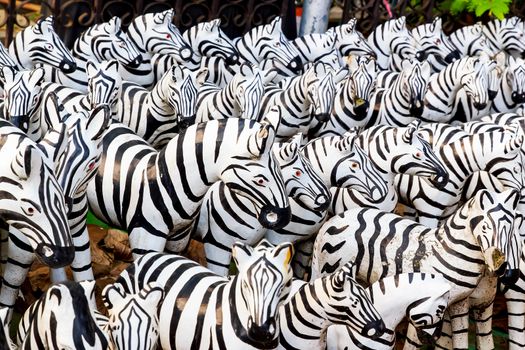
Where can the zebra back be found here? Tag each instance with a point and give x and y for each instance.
(266, 42)
(60, 319)
(208, 40)
(505, 35)
(470, 40)
(40, 43)
(22, 90)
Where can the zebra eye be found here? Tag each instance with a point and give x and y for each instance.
(355, 165)
(438, 41)
(219, 40)
(349, 30)
(417, 155)
(298, 173)
(517, 169)
(28, 209)
(91, 166)
(277, 44)
(49, 47)
(168, 36)
(121, 44)
(260, 181)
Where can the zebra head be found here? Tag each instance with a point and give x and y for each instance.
(515, 75)
(76, 167)
(301, 181)
(155, 33)
(414, 81)
(248, 88)
(266, 42)
(32, 200)
(133, 319)
(263, 283)
(182, 85)
(208, 39)
(496, 74)
(473, 41)
(491, 222)
(346, 302)
(509, 34)
(41, 44)
(104, 83)
(251, 170)
(22, 90)
(399, 39)
(475, 81)
(431, 40)
(360, 85)
(110, 42)
(320, 89)
(63, 320)
(415, 156)
(350, 41)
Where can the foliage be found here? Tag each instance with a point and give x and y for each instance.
(495, 8)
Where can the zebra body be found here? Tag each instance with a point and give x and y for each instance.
(235, 313)
(505, 35)
(227, 216)
(267, 42)
(389, 38)
(420, 297)
(328, 300)
(235, 151)
(40, 43)
(458, 249)
(470, 40)
(61, 319)
(158, 115)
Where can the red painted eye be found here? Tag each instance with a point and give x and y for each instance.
(168, 36)
(298, 173)
(91, 166)
(418, 155)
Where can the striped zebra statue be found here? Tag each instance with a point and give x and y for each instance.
(420, 297)
(510, 94)
(61, 319)
(40, 43)
(389, 38)
(5, 60)
(150, 34)
(226, 216)
(266, 42)
(22, 90)
(220, 313)
(158, 115)
(100, 42)
(506, 35)
(476, 238)
(133, 322)
(470, 40)
(130, 180)
(313, 308)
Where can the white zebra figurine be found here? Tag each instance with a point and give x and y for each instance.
(510, 94)
(313, 308)
(420, 297)
(470, 40)
(220, 313)
(506, 35)
(477, 238)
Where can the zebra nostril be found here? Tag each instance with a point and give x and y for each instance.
(47, 252)
(185, 53)
(271, 217)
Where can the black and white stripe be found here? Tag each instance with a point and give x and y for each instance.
(507, 35)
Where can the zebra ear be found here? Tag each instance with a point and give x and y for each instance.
(241, 253)
(54, 145)
(411, 129)
(89, 292)
(167, 16)
(246, 69)
(112, 295)
(37, 76)
(400, 24)
(284, 253)
(152, 294)
(348, 140)
(7, 74)
(44, 25)
(485, 199)
(511, 198)
(436, 24)
(212, 25)
(352, 23)
(268, 75)
(53, 108)
(27, 159)
(114, 24)
(274, 27)
(290, 150)
(91, 68)
(202, 76)
(98, 121)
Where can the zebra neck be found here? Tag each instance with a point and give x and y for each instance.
(19, 50)
(379, 143)
(503, 101)
(158, 99)
(382, 295)
(225, 100)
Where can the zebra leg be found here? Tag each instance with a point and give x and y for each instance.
(4, 240)
(303, 258)
(445, 340)
(142, 242)
(412, 342)
(482, 302)
(515, 297)
(81, 265)
(459, 319)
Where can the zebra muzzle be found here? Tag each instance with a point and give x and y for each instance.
(68, 66)
(518, 98)
(264, 332)
(54, 256)
(374, 330)
(492, 94)
(479, 105)
(186, 53)
(295, 65)
(510, 277)
(453, 56)
(430, 334)
(136, 62)
(274, 217)
(232, 59)
(439, 181)
(361, 107)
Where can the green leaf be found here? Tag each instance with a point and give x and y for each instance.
(483, 6)
(500, 8)
(458, 6)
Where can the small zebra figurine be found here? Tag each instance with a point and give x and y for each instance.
(420, 297)
(506, 35)
(314, 307)
(219, 313)
(510, 94)
(61, 319)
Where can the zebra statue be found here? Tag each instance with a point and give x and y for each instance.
(133, 322)
(345, 39)
(391, 37)
(40, 43)
(266, 42)
(510, 94)
(421, 297)
(61, 319)
(315, 307)
(470, 40)
(130, 180)
(150, 34)
(100, 42)
(226, 216)
(477, 237)
(241, 311)
(506, 35)
(158, 115)
(22, 90)
(240, 98)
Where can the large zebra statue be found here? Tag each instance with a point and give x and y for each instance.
(40, 43)
(133, 322)
(154, 33)
(100, 42)
(506, 35)
(420, 297)
(477, 237)
(226, 216)
(61, 319)
(131, 180)
(158, 115)
(326, 301)
(22, 90)
(389, 38)
(220, 313)
(266, 42)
